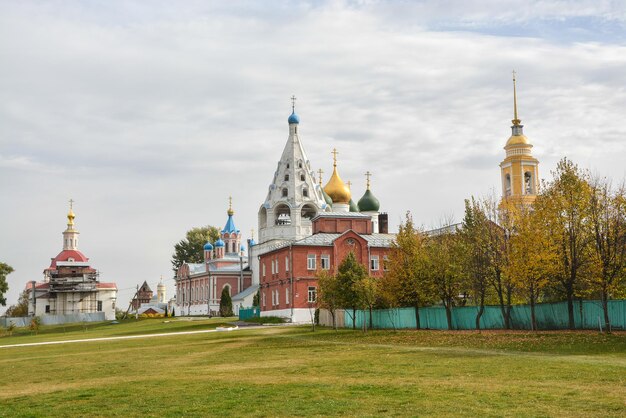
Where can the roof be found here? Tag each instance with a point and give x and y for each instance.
(230, 225)
(356, 215)
(200, 268)
(324, 239)
(106, 286)
(247, 292)
(65, 255)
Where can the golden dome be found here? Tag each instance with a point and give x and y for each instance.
(517, 140)
(337, 189)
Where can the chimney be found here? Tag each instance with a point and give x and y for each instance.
(383, 223)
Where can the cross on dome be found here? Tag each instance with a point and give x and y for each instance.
(320, 172)
(334, 152)
(367, 176)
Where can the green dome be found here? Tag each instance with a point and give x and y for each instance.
(353, 206)
(327, 198)
(369, 203)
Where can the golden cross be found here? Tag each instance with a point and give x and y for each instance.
(293, 103)
(71, 203)
(367, 176)
(320, 172)
(252, 233)
(349, 183)
(230, 202)
(335, 152)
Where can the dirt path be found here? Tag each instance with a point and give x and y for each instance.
(126, 337)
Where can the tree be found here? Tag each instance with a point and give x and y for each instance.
(21, 308)
(191, 249)
(173, 312)
(444, 264)
(226, 303)
(165, 315)
(406, 265)
(256, 300)
(564, 204)
(500, 248)
(607, 214)
(367, 293)
(329, 293)
(349, 273)
(389, 290)
(534, 256)
(5, 270)
(475, 237)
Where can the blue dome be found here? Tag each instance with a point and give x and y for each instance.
(252, 243)
(219, 243)
(243, 247)
(293, 118)
(208, 246)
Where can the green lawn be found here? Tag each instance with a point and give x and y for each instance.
(290, 371)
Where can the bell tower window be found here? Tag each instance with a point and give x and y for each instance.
(507, 185)
(528, 183)
(285, 192)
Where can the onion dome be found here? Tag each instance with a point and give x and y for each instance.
(336, 188)
(368, 203)
(353, 206)
(293, 118)
(242, 248)
(252, 242)
(327, 198)
(208, 247)
(219, 243)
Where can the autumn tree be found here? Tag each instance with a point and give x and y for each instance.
(564, 205)
(21, 308)
(366, 291)
(389, 291)
(607, 215)
(329, 296)
(475, 237)
(349, 273)
(5, 270)
(191, 249)
(445, 265)
(406, 265)
(534, 256)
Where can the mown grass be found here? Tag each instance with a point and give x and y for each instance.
(291, 371)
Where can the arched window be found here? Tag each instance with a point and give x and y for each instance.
(305, 192)
(287, 177)
(283, 214)
(302, 177)
(285, 192)
(528, 183)
(262, 217)
(507, 184)
(308, 212)
(299, 164)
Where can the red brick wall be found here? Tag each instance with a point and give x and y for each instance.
(341, 225)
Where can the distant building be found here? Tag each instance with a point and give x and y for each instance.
(199, 286)
(143, 295)
(70, 284)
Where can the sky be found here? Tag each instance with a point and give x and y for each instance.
(149, 115)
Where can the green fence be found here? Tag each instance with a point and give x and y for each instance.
(246, 313)
(587, 315)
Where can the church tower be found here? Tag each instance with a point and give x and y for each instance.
(293, 198)
(70, 235)
(337, 189)
(519, 169)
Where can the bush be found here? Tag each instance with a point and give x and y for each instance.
(34, 324)
(226, 303)
(266, 320)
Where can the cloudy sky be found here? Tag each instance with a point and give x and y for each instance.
(150, 114)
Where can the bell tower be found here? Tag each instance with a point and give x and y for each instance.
(519, 169)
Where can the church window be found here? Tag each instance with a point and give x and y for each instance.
(385, 263)
(263, 268)
(299, 164)
(285, 192)
(507, 184)
(302, 177)
(99, 306)
(310, 262)
(287, 165)
(264, 300)
(528, 183)
(287, 296)
(374, 262)
(272, 267)
(283, 214)
(308, 211)
(305, 192)
(47, 308)
(286, 263)
(325, 261)
(312, 294)
(286, 177)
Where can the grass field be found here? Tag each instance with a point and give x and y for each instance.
(291, 371)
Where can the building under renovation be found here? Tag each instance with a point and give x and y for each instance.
(71, 286)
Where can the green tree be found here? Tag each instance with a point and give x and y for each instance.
(329, 295)
(226, 303)
(5, 270)
(165, 314)
(349, 273)
(607, 214)
(406, 265)
(256, 300)
(191, 249)
(366, 291)
(21, 308)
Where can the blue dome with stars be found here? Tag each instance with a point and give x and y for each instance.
(293, 118)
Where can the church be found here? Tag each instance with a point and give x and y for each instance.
(71, 285)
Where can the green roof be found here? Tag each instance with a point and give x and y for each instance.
(369, 203)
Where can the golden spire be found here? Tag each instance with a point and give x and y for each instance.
(70, 215)
(320, 172)
(516, 121)
(336, 188)
(230, 212)
(349, 183)
(252, 234)
(367, 176)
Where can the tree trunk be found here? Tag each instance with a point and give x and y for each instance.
(371, 319)
(354, 318)
(417, 316)
(481, 309)
(533, 320)
(505, 319)
(449, 315)
(332, 314)
(570, 306)
(605, 308)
